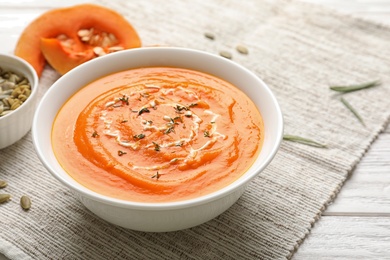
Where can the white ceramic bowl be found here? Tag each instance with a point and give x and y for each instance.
(169, 216)
(16, 124)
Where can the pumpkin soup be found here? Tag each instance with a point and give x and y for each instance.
(157, 134)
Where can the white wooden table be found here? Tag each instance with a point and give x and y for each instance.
(357, 224)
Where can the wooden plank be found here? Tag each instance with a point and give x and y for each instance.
(367, 192)
(347, 238)
(376, 10)
(34, 4)
(355, 6)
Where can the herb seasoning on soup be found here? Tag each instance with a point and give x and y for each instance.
(157, 134)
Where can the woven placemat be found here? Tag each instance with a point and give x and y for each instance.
(298, 50)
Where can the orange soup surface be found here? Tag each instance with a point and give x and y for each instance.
(157, 134)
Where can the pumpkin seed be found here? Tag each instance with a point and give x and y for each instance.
(27, 92)
(62, 37)
(25, 202)
(113, 39)
(4, 198)
(106, 42)
(209, 35)
(99, 51)
(5, 113)
(242, 49)
(24, 87)
(83, 33)
(16, 104)
(3, 184)
(5, 74)
(14, 78)
(24, 82)
(115, 48)
(85, 38)
(22, 97)
(6, 85)
(95, 39)
(225, 54)
(16, 92)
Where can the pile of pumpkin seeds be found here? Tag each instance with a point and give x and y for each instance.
(14, 90)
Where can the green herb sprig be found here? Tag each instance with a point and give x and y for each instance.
(95, 134)
(140, 136)
(143, 110)
(302, 140)
(124, 99)
(156, 147)
(179, 109)
(157, 176)
(170, 129)
(351, 88)
(349, 106)
(120, 153)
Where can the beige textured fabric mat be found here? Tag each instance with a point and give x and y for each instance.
(298, 50)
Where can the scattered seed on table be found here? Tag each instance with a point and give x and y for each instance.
(3, 184)
(4, 198)
(25, 202)
(225, 54)
(209, 35)
(242, 49)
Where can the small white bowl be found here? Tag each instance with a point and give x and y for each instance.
(16, 124)
(167, 216)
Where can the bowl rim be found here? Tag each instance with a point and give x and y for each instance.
(34, 87)
(218, 194)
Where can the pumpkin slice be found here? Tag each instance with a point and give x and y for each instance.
(68, 37)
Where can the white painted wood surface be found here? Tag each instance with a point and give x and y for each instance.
(341, 237)
(367, 192)
(357, 224)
